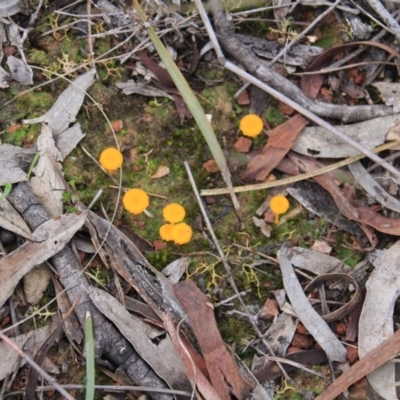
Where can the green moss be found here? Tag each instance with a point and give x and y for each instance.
(274, 116)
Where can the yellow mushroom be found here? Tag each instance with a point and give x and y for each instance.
(111, 159)
(251, 125)
(181, 233)
(278, 205)
(166, 232)
(136, 201)
(174, 213)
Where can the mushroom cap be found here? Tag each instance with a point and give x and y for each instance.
(166, 232)
(251, 125)
(279, 204)
(135, 201)
(174, 213)
(182, 233)
(111, 159)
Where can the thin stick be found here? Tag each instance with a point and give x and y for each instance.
(117, 388)
(35, 366)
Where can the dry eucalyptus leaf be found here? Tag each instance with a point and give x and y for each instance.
(48, 239)
(20, 71)
(390, 93)
(376, 320)
(29, 342)
(162, 171)
(68, 104)
(11, 220)
(321, 246)
(264, 227)
(69, 139)
(48, 183)
(176, 269)
(9, 7)
(13, 163)
(317, 327)
(316, 262)
(315, 141)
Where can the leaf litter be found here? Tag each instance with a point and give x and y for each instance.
(186, 312)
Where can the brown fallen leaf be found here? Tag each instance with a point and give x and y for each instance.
(162, 171)
(224, 373)
(281, 140)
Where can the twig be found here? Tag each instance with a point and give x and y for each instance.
(35, 366)
(117, 388)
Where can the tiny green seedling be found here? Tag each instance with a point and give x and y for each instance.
(33, 163)
(7, 190)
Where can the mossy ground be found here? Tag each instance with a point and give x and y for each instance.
(153, 136)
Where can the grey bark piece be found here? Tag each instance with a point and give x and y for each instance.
(13, 161)
(161, 355)
(298, 55)
(111, 348)
(376, 319)
(373, 188)
(315, 141)
(318, 328)
(9, 7)
(68, 104)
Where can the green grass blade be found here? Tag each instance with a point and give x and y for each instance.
(89, 348)
(7, 190)
(193, 105)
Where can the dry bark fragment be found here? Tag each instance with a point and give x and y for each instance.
(224, 373)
